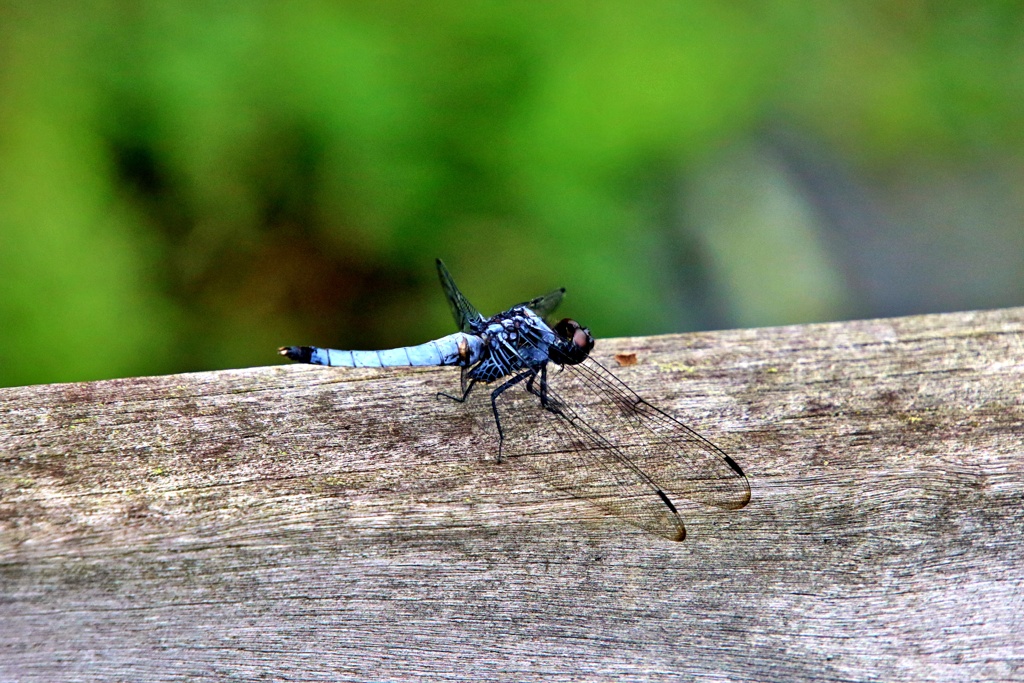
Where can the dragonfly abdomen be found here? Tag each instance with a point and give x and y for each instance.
(455, 349)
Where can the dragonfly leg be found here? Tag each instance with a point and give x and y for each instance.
(466, 388)
(541, 393)
(530, 374)
(459, 399)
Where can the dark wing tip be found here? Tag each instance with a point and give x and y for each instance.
(739, 471)
(680, 531)
(733, 464)
(741, 503)
(666, 501)
(731, 502)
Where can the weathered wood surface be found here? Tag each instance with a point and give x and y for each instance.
(306, 523)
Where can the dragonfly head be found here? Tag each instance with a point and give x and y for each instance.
(578, 342)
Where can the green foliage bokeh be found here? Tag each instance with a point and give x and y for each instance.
(187, 186)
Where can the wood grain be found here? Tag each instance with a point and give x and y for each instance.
(296, 522)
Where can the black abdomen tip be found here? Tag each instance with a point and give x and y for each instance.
(302, 354)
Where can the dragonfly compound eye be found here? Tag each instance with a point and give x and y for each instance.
(571, 330)
(582, 339)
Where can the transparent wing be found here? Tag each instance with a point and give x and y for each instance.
(598, 440)
(465, 314)
(545, 305)
(673, 455)
(557, 443)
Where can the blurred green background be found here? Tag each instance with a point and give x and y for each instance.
(188, 186)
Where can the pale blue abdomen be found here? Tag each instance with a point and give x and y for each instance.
(455, 349)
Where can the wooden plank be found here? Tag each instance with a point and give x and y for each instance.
(296, 522)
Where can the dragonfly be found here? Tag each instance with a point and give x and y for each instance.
(576, 424)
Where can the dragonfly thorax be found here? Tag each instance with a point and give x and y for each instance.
(518, 338)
